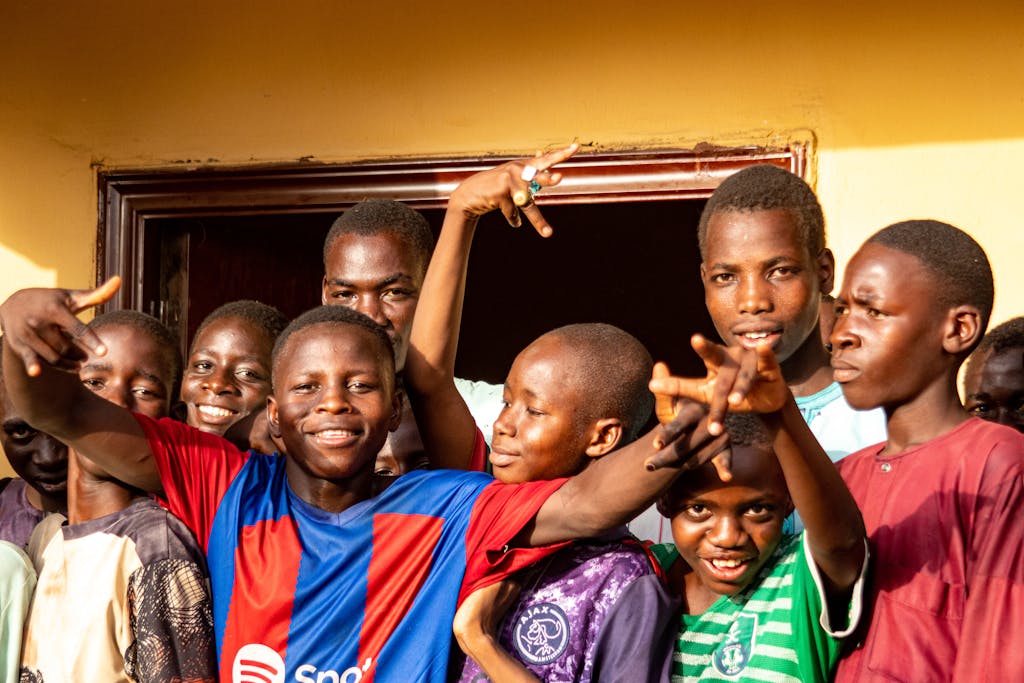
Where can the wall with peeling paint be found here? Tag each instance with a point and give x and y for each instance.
(918, 107)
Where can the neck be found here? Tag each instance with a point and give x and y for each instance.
(935, 411)
(91, 496)
(808, 370)
(698, 596)
(41, 501)
(328, 495)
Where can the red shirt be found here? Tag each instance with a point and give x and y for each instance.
(945, 521)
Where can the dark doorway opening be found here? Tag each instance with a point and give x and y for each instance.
(634, 265)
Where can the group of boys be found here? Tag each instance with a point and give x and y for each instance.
(324, 564)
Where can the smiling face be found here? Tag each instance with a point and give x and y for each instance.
(727, 531)
(333, 405)
(36, 457)
(760, 284)
(994, 383)
(227, 375)
(380, 276)
(887, 342)
(542, 432)
(135, 373)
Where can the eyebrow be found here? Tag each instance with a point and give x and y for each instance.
(210, 352)
(723, 265)
(389, 280)
(108, 367)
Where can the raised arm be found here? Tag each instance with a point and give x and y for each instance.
(42, 341)
(745, 380)
(446, 425)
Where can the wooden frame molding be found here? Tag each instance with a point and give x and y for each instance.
(129, 200)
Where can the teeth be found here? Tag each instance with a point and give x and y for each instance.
(214, 411)
(335, 434)
(756, 335)
(726, 564)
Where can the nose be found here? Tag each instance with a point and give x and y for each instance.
(505, 424)
(754, 295)
(843, 336)
(372, 307)
(119, 393)
(50, 453)
(334, 398)
(220, 381)
(727, 532)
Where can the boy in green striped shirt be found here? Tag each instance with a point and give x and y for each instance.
(758, 604)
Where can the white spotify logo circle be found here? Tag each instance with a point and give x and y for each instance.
(255, 663)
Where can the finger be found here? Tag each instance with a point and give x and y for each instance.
(723, 464)
(681, 428)
(522, 197)
(87, 298)
(712, 354)
(537, 219)
(692, 388)
(511, 212)
(745, 377)
(545, 161)
(664, 406)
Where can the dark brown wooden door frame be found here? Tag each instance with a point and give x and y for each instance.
(128, 200)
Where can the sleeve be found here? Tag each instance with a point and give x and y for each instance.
(500, 512)
(637, 638)
(484, 403)
(832, 627)
(17, 580)
(171, 616)
(195, 469)
(994, 609)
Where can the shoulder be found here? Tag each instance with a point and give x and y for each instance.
(622, 559)
(157, 534)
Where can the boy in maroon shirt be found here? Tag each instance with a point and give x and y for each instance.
(943, 498)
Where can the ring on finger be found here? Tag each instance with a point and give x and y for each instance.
(529, 173)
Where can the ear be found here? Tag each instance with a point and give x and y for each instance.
(323, 290)
(826, 270)
(397, 405)
(605, 436)
(273, 426)
(963, 329)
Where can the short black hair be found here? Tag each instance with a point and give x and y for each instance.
(744, 429)
(384, 216)
(1008, 335)
(958, 263)
(337, 315)
(156, 330)
(613, 368)
(763, 188)
(263, 316)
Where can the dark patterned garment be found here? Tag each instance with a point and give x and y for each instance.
(594, 611)
(124, 597)
(17, 516)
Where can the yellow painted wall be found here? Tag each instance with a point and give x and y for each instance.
(918, 107)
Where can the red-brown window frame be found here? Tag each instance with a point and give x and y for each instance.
(129, 200)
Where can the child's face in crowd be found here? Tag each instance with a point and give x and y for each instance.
(726, 531)
(760, 284)
(135, 373)
(404, 451)
(540, 433)
(227, 375)
(994, 383)
(333, 404)
(379, 276)
(36, 457)
(887, 338)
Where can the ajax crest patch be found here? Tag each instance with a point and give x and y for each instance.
(541, 633)
(733, 655)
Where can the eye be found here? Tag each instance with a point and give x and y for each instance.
(396, 294)
(535, 412)
(304, 388)
(696, 512)
(249, 375)
(94, 384)
(201, 366)
(722, 278)
(344, 295)
(761, 511)
(783, 272)
(841, 309)
(360, 387)
(979, 408)
(875, 313)
(21, 432)
(384, 472)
